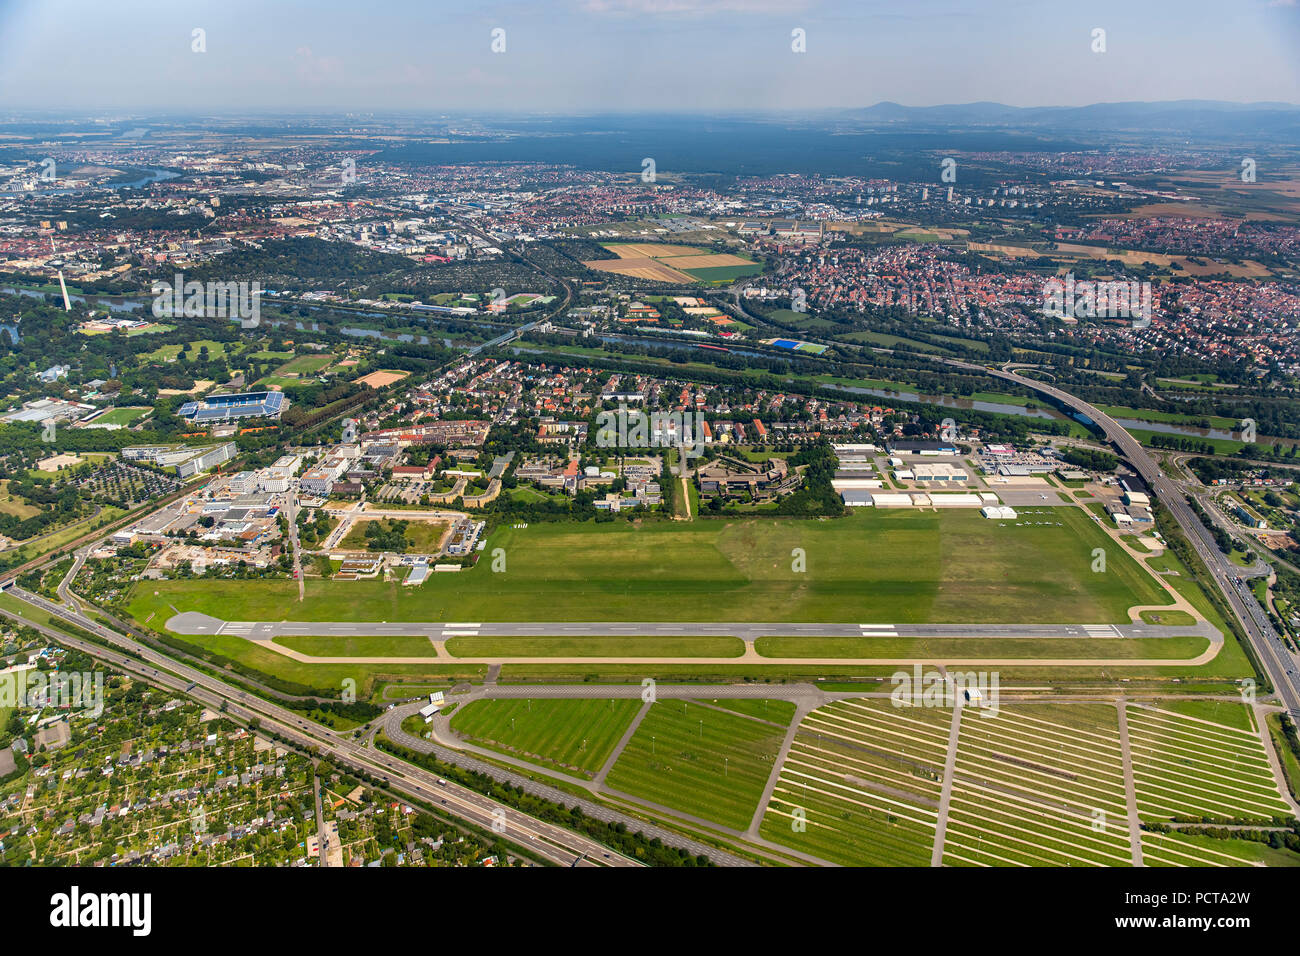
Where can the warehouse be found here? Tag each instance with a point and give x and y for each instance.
(887, 500)
(955, 500)
(939, 471)
(856, 484)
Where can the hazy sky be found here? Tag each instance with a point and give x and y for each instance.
(662, 55)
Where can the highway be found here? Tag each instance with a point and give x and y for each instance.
(1278, 662)
(556, 844)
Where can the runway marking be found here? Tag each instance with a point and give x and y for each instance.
(1095, 630)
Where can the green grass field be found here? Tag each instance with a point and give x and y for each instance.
(722, 273)
(777, 711)
(216, 350)
(296, 369)
(1189, 849)
(902, 566)
(998, 648)
(699, 760)
(423, 537)
(378, 646)
(123, 415)
(595, 647)
(329, 677)
(574, 736)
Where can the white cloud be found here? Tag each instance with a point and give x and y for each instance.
(692, 7)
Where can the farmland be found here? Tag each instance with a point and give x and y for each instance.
(668, 263)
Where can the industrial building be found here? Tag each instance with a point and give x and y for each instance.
(939, 471)
(955, 500)
(186, 459)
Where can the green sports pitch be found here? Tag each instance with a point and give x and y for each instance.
(895, 567)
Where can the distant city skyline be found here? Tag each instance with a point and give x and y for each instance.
(638, 55)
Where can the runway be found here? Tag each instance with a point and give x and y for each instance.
(194, 623)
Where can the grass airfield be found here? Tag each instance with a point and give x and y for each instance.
(894, 567)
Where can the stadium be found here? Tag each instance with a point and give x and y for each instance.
(220, 408)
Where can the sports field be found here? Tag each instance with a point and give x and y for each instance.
(123, 415)
(892, 567)
(574, 736)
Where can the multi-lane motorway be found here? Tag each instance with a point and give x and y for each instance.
(1278, 662)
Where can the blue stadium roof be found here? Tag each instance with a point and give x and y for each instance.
(240, 405)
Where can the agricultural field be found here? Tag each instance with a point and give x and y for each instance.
(861, 784)
(1191, 766)
(661, 262)
(382, 378)
(699, 760)
(1039, 785)
(893, 567)
(573, 736)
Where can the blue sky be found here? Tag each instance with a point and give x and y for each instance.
(565, 56)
